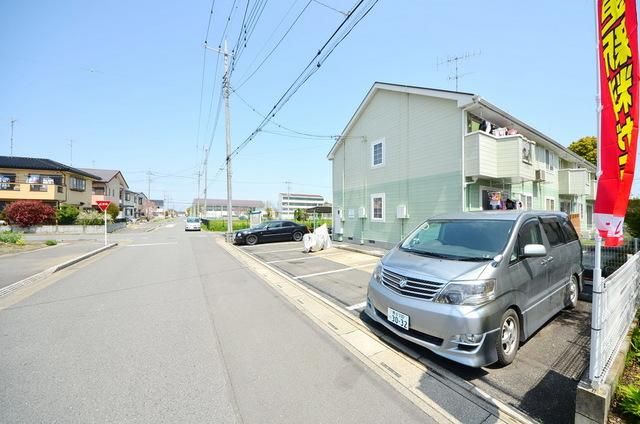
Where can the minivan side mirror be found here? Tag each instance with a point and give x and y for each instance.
(535, 250)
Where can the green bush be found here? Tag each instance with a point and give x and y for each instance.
(221, 225)
(632, 218)
(50, 242)
(113, 210)
(92, 217)
(12, 238)
(67, 214)
(629, 396)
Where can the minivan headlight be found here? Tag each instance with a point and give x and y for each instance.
(474, 292)
(377, 273)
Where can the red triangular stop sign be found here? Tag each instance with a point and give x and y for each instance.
(103, 204)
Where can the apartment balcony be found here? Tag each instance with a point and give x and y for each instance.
(508, 157)
(23, 191)
(575, 182)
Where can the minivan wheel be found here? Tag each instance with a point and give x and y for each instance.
(508, 338)
(297, 236)
(251, 240)
(571, 296)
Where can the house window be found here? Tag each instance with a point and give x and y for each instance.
(527, 201)
(99, 191)
(128, 197)
(377, 154)
(77, 184)
(40, 182)
(473, 123)
(8, 182)
(377, 207)
(550, 204)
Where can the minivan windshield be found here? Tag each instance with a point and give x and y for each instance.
(193, 219)
(460, 239)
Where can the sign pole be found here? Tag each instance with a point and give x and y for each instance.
(105, 227)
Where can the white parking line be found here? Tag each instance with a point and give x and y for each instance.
(334, 271)
(253, 252)
(357, 306)
(148, 244)
(304, 258)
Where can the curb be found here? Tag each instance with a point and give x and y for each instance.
(498, 411)
(51, 270)
(377, 253)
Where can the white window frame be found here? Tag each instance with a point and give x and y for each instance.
(376, 196)
(380, 141)
(554, 203)
(524, 202)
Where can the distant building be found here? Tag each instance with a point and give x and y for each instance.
(217, 208)
(112, 187)
(159, 207)
(23, 178)
(289, 202)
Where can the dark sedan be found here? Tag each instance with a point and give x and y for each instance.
(271, 231)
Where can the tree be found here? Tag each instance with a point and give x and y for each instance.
(113, 210)
(67, 214)
(300, 215)
(268, 213)
(632, 218)
(587, 147)
(26, 213)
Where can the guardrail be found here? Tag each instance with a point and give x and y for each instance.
(619, 303)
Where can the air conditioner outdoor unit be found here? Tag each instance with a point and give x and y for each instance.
(362, 212)
(540, 175)
(401, 212)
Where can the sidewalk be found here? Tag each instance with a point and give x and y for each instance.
(16, 267)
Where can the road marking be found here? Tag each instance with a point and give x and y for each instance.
(256, 252)
(334, 271)
(357, 306)
(170, 225)
(304, 258)
(149, 244)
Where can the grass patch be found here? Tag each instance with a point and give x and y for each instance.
(12, 238)
(50, 242)
(626, 403)
(221, 225)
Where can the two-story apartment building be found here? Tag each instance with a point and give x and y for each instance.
(111, 186)
(409, 153)
(24, 178)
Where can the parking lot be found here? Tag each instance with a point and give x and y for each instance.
(541, 382)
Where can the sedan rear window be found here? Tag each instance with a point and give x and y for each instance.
(472, 239)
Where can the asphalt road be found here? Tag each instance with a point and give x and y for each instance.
(541, 382)
(168, 327)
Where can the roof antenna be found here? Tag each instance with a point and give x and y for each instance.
(455, 62)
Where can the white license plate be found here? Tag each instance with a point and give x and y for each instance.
(398, 318)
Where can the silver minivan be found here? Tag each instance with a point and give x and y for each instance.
(472, 286)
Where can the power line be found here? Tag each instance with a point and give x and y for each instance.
(252, 22)
(276, 46)
(323, 53)
(333, 137)
(332, 8)
(204, 66)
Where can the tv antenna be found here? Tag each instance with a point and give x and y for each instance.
(455, 62)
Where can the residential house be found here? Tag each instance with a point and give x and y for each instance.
(159, 209)
(141, 204)
(289, 202)
(409, 153)
(23, 178)
(217, 208)
(113, 187)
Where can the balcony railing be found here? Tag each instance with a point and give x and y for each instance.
(509, 157)
(27, 191)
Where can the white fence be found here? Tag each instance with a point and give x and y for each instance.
(618, 305)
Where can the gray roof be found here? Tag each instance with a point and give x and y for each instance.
(105, 175)
(16, 162)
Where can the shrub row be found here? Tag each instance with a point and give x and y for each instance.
(26, 213)
(12, 238)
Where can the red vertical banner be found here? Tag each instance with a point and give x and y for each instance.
(620, 93)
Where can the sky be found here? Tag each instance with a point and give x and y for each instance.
(130, 84)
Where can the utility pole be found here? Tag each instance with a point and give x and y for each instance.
(13, 121)
(288, 183)
(197, 207)
(206, 166)
(226, 92)
(149, 183)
